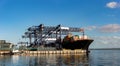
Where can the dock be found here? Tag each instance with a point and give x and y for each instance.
(44, 52)
(56, 52)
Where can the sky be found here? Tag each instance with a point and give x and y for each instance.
(99, 18)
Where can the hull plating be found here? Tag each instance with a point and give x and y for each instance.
(79, 44)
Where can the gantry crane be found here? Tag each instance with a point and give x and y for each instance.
(42, 33)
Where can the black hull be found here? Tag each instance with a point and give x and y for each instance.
(80, 44)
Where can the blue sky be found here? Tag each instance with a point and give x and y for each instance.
(100, 18)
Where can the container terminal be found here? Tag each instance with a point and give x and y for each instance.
(43, 39)
(56, 38)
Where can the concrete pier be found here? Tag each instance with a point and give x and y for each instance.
(79, 51)
(56, 52)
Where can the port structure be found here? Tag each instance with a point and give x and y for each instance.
(39, 35)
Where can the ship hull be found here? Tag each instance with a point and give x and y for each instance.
(79, 44)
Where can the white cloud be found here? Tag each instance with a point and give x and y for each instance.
(110, 28)
(106, 42)
(90, 28)
(113, 5)
(116, 37)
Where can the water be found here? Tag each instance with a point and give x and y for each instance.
(104, 58)
(95, 58)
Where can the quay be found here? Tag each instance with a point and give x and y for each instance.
(56, 52)
(43, 52)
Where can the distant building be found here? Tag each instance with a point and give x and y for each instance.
(5, 46)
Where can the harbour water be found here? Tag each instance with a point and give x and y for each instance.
(95, 58)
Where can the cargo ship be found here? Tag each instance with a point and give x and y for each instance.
(74, 42)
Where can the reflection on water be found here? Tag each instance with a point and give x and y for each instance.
(95, 58)
(58, 60)
(45, 60)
